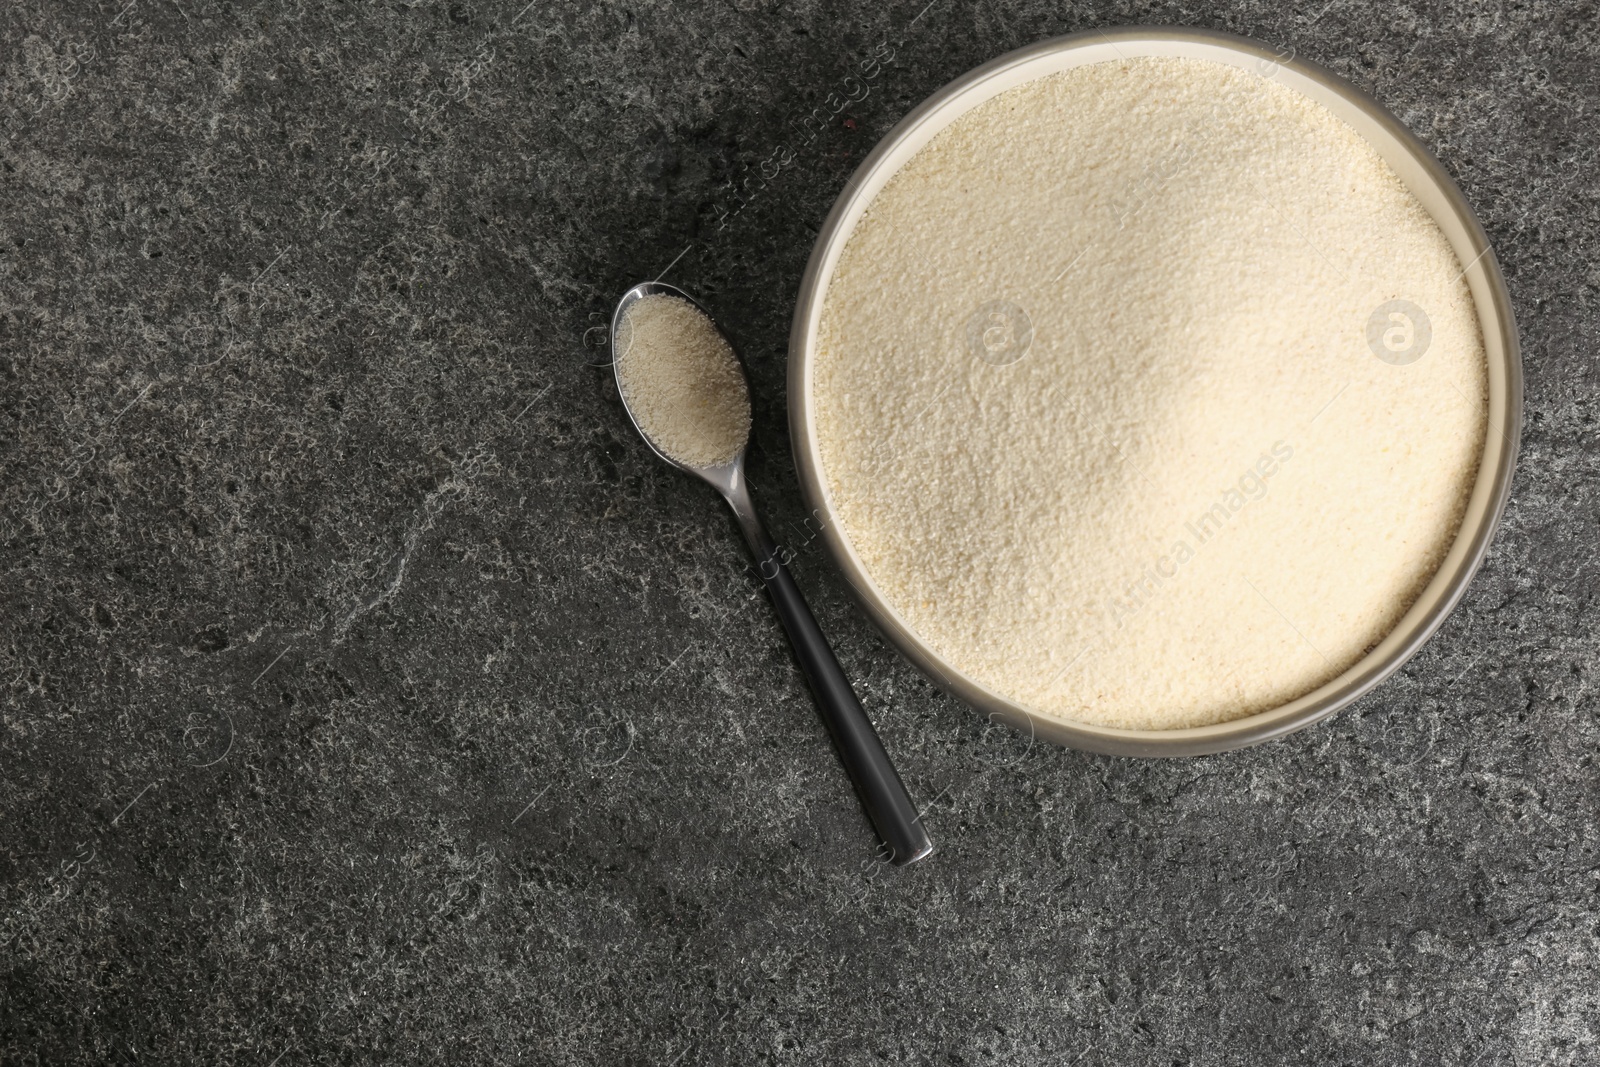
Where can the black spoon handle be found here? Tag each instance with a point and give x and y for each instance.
(883, 795)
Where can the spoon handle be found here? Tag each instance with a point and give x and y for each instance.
(883, 795)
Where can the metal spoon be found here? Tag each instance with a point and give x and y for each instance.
(883, 796)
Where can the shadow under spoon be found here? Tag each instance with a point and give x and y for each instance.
(882, 794)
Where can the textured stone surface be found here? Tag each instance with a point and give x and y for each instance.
(368, 694)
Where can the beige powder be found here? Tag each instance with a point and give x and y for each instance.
(682, 381)
(1100, 400)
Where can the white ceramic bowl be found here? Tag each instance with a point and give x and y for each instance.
(1418, 170)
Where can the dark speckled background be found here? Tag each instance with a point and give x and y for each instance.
(369, 695)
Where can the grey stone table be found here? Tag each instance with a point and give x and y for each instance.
(370, 695)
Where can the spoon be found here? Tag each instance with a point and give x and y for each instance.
(883, 796)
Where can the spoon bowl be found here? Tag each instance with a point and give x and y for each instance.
(727, 478)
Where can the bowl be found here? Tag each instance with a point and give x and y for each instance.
(1417, 169)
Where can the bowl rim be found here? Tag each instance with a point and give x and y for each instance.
(1486, 505)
